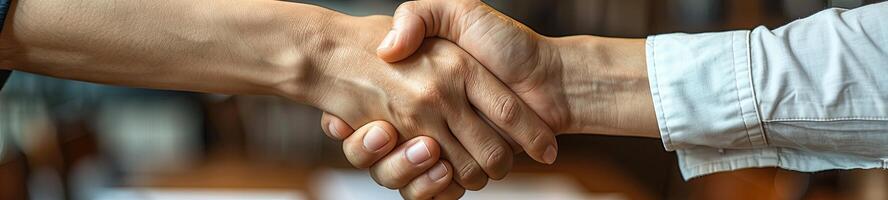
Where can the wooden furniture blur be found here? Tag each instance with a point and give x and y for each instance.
(13, 168)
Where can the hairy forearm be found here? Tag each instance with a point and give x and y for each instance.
(606, 86)
(235, 47)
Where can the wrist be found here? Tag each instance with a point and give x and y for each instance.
(317, 45)
(338, 52)
(606, 86)
(276, 41)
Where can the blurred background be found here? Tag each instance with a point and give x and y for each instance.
(73, 140)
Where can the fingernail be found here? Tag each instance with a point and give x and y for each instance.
(438, 172)
(375, 139)
(333, 131)
(418, 153)
(389, 40)
(550, 154)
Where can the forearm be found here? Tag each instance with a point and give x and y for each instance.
(235, 47)
(606, 86)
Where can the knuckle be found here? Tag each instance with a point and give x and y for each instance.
(507, 109)
(357, 161)
(394, 179)
(353, 159)
(498, 162)
(538, 135)
(428, 94)
(355, 154)
(451, 59)
(459, 65)
(432, 91)
(471, 176)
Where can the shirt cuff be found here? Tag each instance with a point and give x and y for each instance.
(702, 90)
(698, 161)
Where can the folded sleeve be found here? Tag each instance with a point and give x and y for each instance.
(811, 95)
(702, 90)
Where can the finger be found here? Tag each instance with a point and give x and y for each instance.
(415, 20)
(509, 113)
(516, 149)
(483, 143)
(394, 172)
(369, 143)
(469, 173)
(454, 191)
(406, 162)
(408, 31)
(335, 127)
(433, 182)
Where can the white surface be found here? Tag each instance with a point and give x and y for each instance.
(354, 185)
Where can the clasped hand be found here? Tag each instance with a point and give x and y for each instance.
(435, 92)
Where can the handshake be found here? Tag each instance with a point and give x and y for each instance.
(434, 100)
(438, 98)
(458, 88)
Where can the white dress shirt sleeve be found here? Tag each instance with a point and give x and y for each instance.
(811, 95)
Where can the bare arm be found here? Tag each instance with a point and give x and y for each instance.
(305, 53)
(235, 47)
(606, 86)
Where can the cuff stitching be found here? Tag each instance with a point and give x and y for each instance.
(658, 105)
(755, 99)
(738, 90)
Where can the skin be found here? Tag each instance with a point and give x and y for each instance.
(308, 54)
(577, 84)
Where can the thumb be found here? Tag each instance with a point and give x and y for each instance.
(415, 20)
(408, 31)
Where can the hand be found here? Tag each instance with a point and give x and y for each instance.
(431, 179)
(305, 53)
(526, 61)
(434, 93)
(579, 84)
